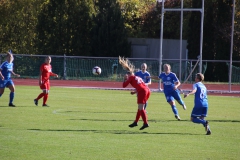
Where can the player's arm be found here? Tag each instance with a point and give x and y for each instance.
(148, 80)
(15, 74)
(154, 77)
(40, 78)
(177, 84)
(125, 81)
(53, 74)
(133, 92)
(1, 76)
(191, 92)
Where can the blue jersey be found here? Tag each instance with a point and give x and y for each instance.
(168, 81)
(144, 76)
(6, 69)
(200, 95)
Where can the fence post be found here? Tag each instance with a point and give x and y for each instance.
(64, 68)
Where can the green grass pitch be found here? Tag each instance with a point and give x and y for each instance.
(90, 124)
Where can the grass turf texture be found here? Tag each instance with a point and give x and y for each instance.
(93, 124)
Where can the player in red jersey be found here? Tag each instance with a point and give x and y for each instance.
(142, 90)
(45, 73)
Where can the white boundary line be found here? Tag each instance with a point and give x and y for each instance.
(152, 90)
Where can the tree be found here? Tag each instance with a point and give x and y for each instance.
(109, 36)
(17, 25)
(133, 12)
(64, 27)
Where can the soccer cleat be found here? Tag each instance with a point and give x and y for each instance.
(35, 102)
(177, 117)
(134, 124)
(184, 106)
(207, 128)
(144, 126)
(11, 105)
(209, 132)
(45, 105)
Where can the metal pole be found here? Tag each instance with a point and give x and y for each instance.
(64, 68)
(161, 41)
(201, 37)
(231, 50)
(180, 53)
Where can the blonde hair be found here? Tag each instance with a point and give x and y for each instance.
(168, 65)
(200, 76)
(11, 58)
(144, 64)
(126, 64)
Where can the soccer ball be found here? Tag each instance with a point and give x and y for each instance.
(96, 70)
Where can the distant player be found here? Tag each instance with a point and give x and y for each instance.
(170, 89)
(142, 90)
(200, 108)
(45, 73)
(6, 70)
(145, 75)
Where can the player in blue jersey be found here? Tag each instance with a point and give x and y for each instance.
(145, 75)
(6, 70)
(170, 89)
(200, 108)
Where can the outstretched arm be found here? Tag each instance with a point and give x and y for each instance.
(154, 77)
(54, 74)
(192, 92)
(15, 74)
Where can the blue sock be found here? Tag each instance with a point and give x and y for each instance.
(145, 106)
(0, 95)
(180, 102)
(197, 120)
(174, 109)
(11, 97)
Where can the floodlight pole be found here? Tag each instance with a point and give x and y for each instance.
(161, 42)
(231, 50)
(201, 34)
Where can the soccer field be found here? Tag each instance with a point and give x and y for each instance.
(91, 124)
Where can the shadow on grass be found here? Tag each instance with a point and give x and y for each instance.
(130, 121)
(155, 121)
(229, 121)
(110, 131)
(91, 112)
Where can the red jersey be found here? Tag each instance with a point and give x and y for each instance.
(136, 82)
(46, 70)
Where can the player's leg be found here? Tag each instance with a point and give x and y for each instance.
(45, 97)
(143, 115)
(11, 87)
(141, 103)
(198, 116)
(138, 115)
(43, 87)
(171, 102)
(1, 91)
(145, 106)
(2, 86)
(178, 98)
(206, 125)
